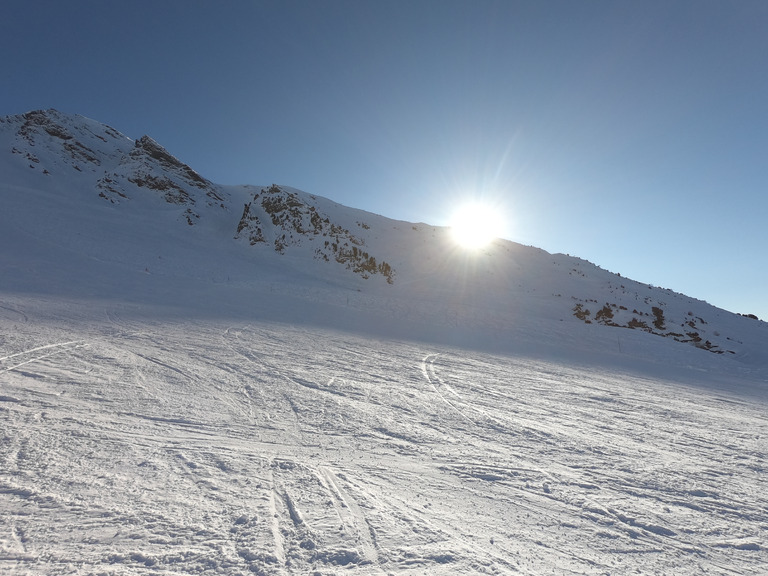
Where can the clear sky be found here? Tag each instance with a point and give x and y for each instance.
(633, 134)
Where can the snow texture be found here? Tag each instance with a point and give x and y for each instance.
(180, 397)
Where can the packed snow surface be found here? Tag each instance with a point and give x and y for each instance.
(134, 443)
(191, 387)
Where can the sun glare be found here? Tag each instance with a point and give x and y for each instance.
(474, 226)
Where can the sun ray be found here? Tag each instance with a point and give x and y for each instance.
(475, 225)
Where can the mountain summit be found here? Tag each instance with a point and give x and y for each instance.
(92, 201)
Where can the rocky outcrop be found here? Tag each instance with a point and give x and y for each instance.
(122, 171)
(151, 166)
(650, 317)
(57, 143)
(282, 219)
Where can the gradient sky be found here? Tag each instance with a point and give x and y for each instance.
(631, 134)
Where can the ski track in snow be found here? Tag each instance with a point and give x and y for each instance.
(143, 447)
(34, 358)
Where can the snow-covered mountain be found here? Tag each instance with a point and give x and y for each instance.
(130, 202)
(197, 378)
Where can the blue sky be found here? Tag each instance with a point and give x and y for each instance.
(631, 134)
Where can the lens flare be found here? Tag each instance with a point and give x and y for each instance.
(475, 225)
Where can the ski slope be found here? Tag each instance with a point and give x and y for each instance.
(143, 441)
(178, 398)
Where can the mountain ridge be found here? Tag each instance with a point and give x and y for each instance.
(146, 191)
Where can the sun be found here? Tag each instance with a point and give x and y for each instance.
(475, 225)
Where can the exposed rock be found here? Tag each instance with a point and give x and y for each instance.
(294, 221)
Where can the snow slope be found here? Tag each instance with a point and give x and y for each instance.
(194, 380)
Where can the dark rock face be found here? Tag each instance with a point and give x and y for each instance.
(151, 166)
(652, 321)
(293, 221)
(146, 145)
